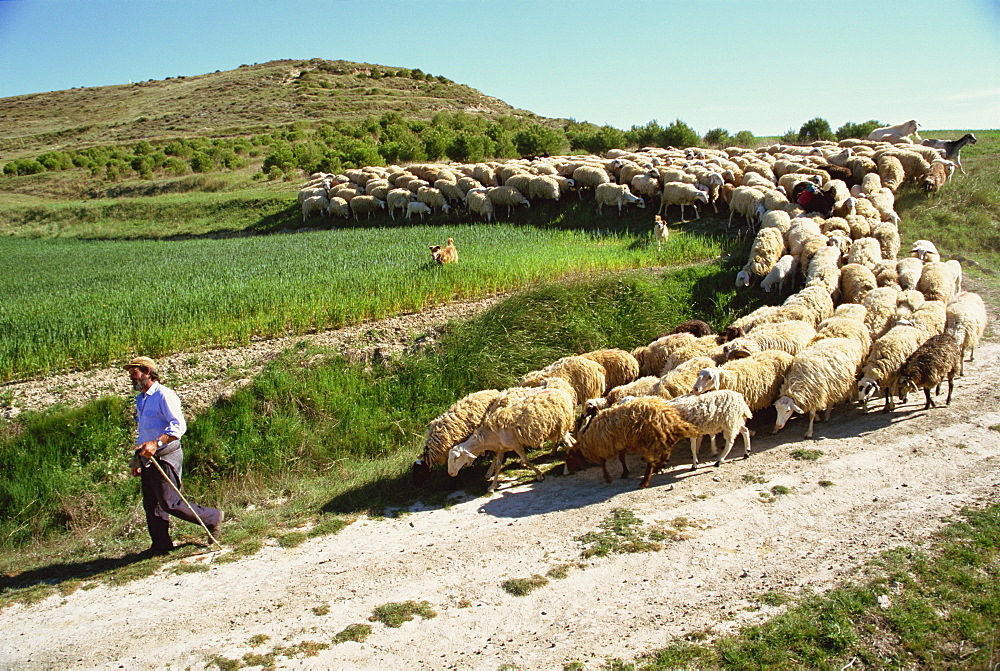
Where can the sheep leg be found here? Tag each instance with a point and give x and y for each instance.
(812, 419)
(711, 439)
(930, 401)
(890, 401)
(621, 459)
(528, 464)
(695, 444)
(725, 452)
(604, 470)
(647, 476)
(746, 441)
(951, 385)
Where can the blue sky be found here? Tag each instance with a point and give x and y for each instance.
(737, 64)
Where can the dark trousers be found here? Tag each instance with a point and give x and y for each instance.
(159, 500)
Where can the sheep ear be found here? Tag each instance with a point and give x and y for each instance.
(797, 409)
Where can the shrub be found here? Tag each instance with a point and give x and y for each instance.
(718, 137)
(857, 130)
(679, 134)
(745, 138)
(815, 129)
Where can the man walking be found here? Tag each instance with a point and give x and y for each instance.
(161, 425)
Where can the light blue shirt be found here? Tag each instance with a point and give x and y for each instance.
(158, 411)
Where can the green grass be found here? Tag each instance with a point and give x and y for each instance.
(353, 632)
(333, 439)
(395, 614)
(524, 586)
(78, 304)
(621, 532)
(806, 454)
(939, 609)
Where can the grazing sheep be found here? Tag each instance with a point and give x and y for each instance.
(856, 281)
(338, 207)
(620, 367)
(616, 194)
(880, 368)
(929, 317)
(720, 411)
(450, 428)
(366, 205)
(660, 231)
(956, 271)
(965, 320)
(587, 377)
(910, 300)
(314, 204)
(937, 281)
(845, 325)
(788, 336)
(479, 203)
(890, 172)
(908, 271)
(418, 208)
(397, 199)
(681, 379)
(645, 186)
(865, 251)
(758, 377)
(508, 197)
(925, 250)
(781, 274)
(681, 193)
(589, 177)
(449, 189)
(895, 133)
(767, 249)
(639, 387)
(779, 219)
(433, 198)
(543, 187)
(928, 366)
(880, 309)
(710, 346)
(653, 357)
(648, 426)
(817, 302)
(696, 327)
(747, 201)
(819, 377)
(887, 234)
(527, 422)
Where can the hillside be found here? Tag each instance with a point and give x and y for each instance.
(224, 103)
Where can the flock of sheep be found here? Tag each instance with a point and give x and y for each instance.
(863, 321)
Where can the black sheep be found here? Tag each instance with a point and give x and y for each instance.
(838, 172)
(928, 366)
(694, 326)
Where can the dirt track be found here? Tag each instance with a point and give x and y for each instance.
(894, 479)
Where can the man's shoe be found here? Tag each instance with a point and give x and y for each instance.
(214, 528)
(155, 552)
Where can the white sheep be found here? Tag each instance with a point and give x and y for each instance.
(720, 411)
(819, 377)
(888, 352)
(965, 319)
(747, 201)
(891, 172)
(338, 207)
(880, 309)
(767, 249)
(433, 198)
(757, 377)
(479, 203)
(587, 377)
(895, 133)
(937, 281)
(616, 194)
(453, 426)
(366, 205)
(528, 421)
(543, 187)
(856, 280)
(866, 251)
(397, 199)
(925, 250)
(816, 302)
(314, 204)
(781, 274)
(417, 208)
(681, 379)
(508, 197)
(681, 193)
(789, 336)
(590, 177)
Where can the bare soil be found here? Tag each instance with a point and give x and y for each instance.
(888, 480)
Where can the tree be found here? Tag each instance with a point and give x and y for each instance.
(745, 138)
(679, 134)
(717, 137)
(857, 130)
(815, 129)
(536, 139)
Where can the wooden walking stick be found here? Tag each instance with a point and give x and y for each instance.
(190, 507)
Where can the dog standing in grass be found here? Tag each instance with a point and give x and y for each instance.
(447, 254)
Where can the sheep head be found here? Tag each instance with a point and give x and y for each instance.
(867, 388)
(786, 407)
(708, 379)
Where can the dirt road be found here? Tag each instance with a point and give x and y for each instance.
(889, 480)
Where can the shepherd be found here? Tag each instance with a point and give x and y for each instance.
(158, 458)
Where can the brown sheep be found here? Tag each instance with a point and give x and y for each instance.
(928, 366)
(648, 426)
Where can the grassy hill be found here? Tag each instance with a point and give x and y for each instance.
(248, 99)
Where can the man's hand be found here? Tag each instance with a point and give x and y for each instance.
(147, 449)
